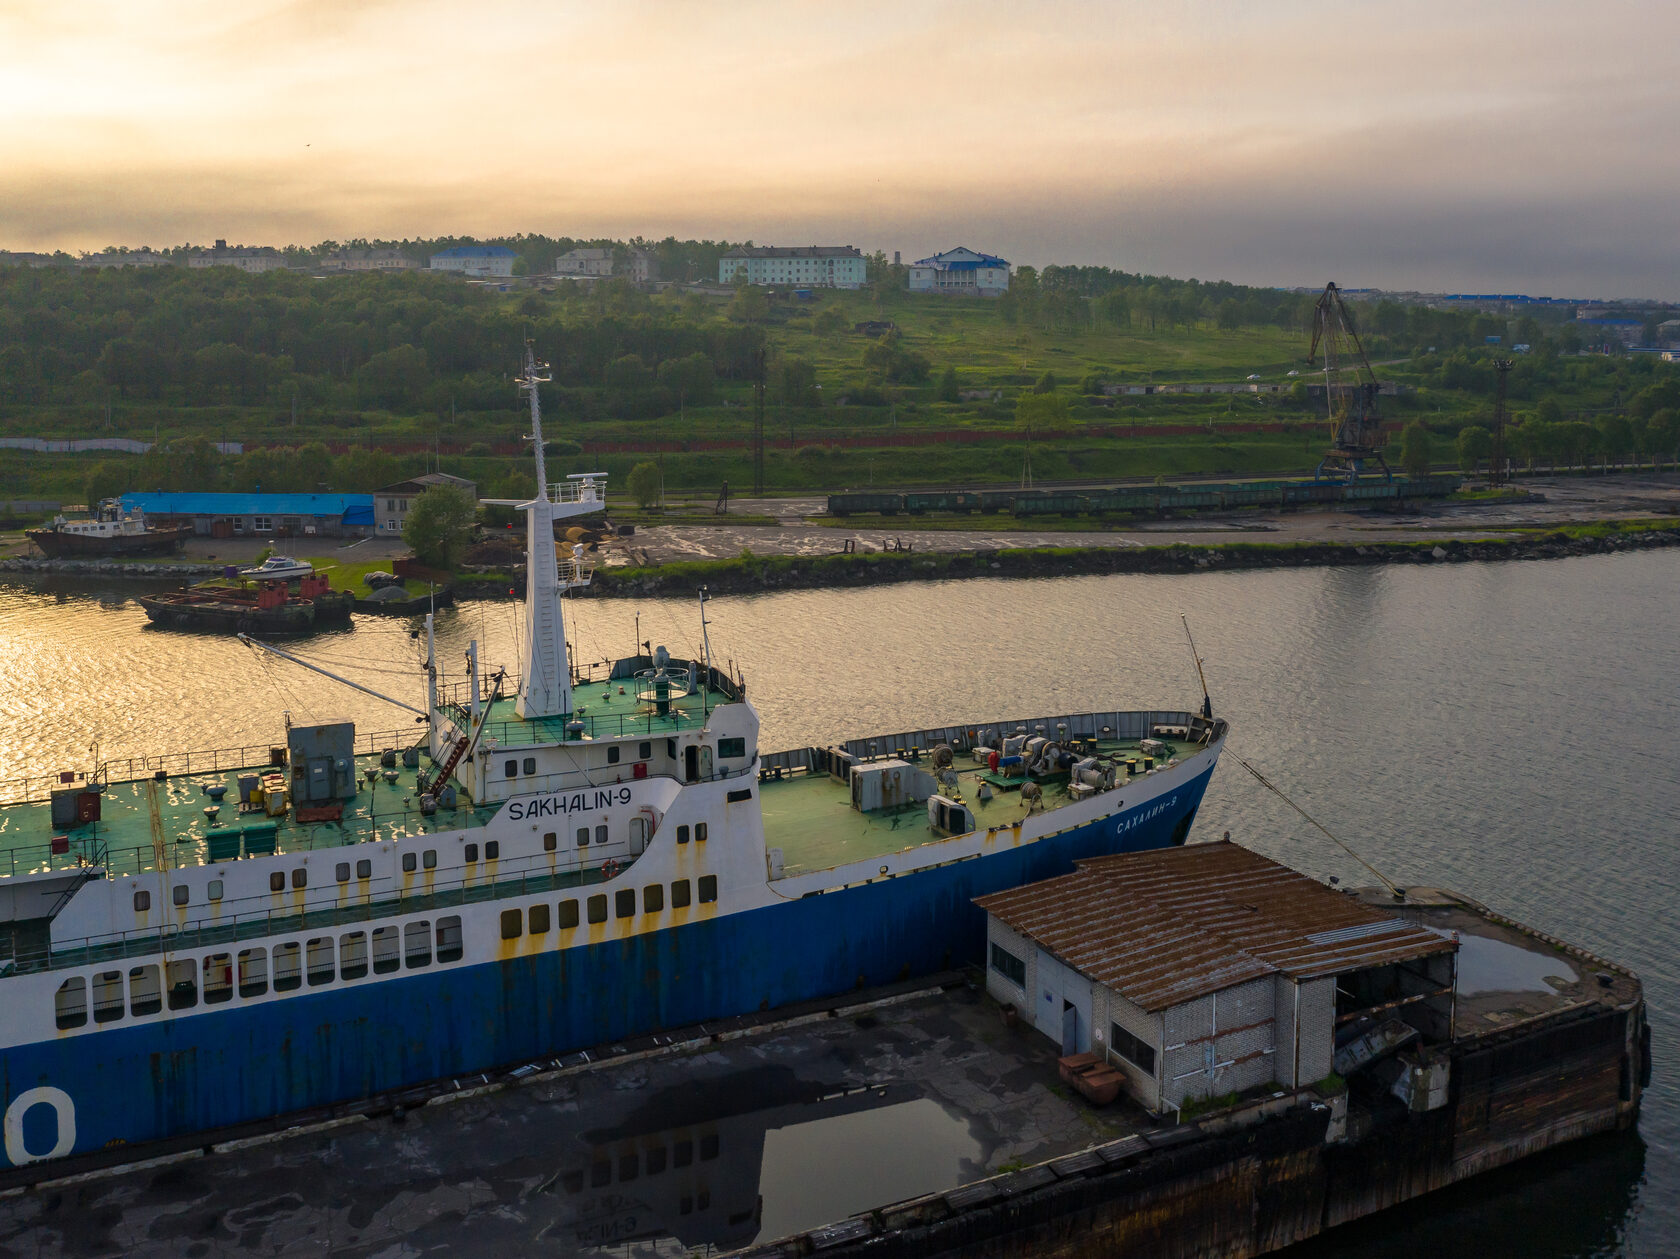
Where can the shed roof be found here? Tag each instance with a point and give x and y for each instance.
(1167, 926)
(193, 504)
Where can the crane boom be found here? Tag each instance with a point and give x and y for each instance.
(1355, 427)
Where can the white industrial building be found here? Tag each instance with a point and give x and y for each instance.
(961, 272)
(795, 266)
(598, 263)
(476, 260)
(254, 261)
(1209, 969)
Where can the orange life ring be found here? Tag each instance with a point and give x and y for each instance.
(610, 870)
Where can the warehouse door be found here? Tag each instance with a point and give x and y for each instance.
(1063, 1009)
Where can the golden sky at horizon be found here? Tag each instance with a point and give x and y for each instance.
(1510, 145)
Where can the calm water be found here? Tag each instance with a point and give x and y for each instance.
(1507, 730)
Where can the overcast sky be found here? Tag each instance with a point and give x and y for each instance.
(1497, 145)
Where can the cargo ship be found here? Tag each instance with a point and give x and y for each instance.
(111, 530)
(196, 942)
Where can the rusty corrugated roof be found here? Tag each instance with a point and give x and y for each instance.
(1166, 926)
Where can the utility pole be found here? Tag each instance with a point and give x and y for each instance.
(1496, 464)
(758, 423)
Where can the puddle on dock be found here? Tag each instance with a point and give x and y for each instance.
(724, 1180)
(1489, 965)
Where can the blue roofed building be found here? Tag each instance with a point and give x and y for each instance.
(961, 271)
(479, 260)
(259, 515)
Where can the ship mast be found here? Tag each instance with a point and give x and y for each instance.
(545, 685)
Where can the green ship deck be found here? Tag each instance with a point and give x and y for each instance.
(150, 824)
(811, 819)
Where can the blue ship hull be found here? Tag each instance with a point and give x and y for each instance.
(244, 1064)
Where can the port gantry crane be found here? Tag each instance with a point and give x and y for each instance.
(1355, 428)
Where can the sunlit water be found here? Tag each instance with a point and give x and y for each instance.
(1509, 730)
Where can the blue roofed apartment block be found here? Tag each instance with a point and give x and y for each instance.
(477, 260)
(961, 271)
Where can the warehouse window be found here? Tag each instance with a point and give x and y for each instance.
(1132, 1049)
(1009, 966)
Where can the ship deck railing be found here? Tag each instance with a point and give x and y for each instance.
(254, 918)
(40, 787)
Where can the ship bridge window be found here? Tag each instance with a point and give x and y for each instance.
(70, 1006)
(708, 888)
(300, 877)
(682, 834)
(449, 938)
(364, 869)
(530, 764)
(612, 755)
(385, 950)
(417, 945)
(341, 872)
(288, 967)
(179, 894)
(568, 915)
(680, 894)
(277, 881)
(513, 924)
(732, 748)
(214, 891)
(409, 863)
(583, 837)
(142, 902)
(492, 849)
(320, 961)
(183, 985)
(511, 769)
(145, 992)
(218, 978)
(624, 903)
(653, 898)
(253, 972)
(352, 955)
(644, 751)
(107, 996)
(699, 832)
(428, 859)
(539, 920)
(551, 841)
(470, 853)
(598, 908)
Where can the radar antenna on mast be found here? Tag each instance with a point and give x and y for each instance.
(1350, 391)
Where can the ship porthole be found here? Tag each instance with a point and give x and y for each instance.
(17, 1152)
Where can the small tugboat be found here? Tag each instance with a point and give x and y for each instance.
(110, 531)
(268, 609)
(279, 568)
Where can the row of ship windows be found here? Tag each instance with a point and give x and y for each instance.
(181, 894)
(605, 1170)
(535, 921)
(293, 965)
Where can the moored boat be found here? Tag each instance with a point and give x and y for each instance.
(278, 568)
(111, 531)
(265, 609)
(562, 858)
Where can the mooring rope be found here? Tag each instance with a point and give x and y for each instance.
(1272, 787)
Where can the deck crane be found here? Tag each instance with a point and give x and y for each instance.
(1355, 428)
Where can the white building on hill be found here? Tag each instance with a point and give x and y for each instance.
(479, 260)
(961, 271)
(795, 266)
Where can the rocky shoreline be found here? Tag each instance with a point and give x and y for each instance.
(749, 574)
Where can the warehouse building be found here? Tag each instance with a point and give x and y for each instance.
(391, 503)
(1209, 969)
(259, 515)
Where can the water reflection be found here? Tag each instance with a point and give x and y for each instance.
(793, 1157)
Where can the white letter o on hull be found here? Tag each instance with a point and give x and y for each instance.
(59, 1100)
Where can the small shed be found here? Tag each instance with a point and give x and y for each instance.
(1209, 969)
